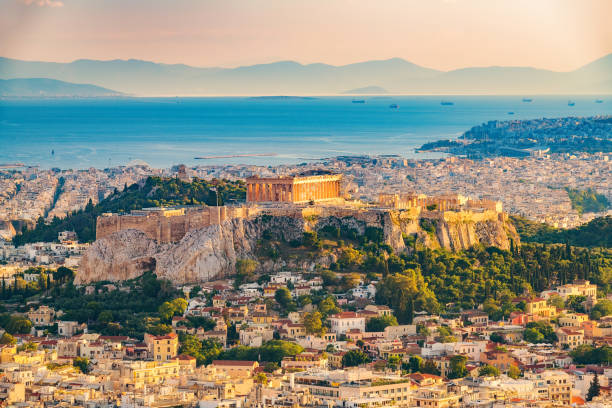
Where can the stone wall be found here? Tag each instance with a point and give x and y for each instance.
(165, 226)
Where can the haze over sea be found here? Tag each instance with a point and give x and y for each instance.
(100, 133)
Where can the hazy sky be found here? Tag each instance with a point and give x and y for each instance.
(443, 34)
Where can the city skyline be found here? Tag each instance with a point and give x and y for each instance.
(444, 35)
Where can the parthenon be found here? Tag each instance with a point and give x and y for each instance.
(294, 189)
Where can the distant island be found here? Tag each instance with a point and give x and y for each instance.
(519, 138)
(44, 87)
(367, 90)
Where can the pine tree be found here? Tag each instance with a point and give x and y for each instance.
(594, 389)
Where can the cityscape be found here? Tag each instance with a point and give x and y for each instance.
(234, 204)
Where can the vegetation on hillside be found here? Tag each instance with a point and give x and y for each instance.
(440, 280)
(154, 192)
(587, 200)
(596, 233)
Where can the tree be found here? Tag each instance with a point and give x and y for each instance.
(245, 268)
(488, 371)
(378, 324)
(496, 337)
(283, 297)
(532, 335)
(430, 368)
(329, 278)
(105, 316)
(394, 362)
(514, 372)
(195, 291)
(601, 309)
(405, 293)
(172, 308)
(313, 323)
(261, 378)
(457, 368)
(415, 363)
(328, 306)
(594, 388)
(82, 363)
(18, 324)
(355, 358)
(539, 332)
(8, 339)
(587, 354)
(556, 301)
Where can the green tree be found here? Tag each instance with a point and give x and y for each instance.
(430, 368)
(601, 309)
(514, 372)
(261, 378)
(82, 363)
(496, 337)
(415, 363)
(245, 268)
(378, 324)
(539, 332)
(594, 389)
(488, 371)
(328, 306)
(587, 354)
(8, 339)
(283, 297)
(457, 368)
(172, 308)
(406, 293)
(556, 301)
(105, 316)
(394, 362)
(313, 323)
(355, 358)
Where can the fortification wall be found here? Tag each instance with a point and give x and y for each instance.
(164, 228)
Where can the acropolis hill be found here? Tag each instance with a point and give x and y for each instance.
(196, 244)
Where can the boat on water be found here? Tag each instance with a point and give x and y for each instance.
(598, 101)
(394, 106)
(527, 100)
(510, 113)
(447, 103)
(571, 103)
(358, 101)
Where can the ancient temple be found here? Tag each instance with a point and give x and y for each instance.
(294, 189)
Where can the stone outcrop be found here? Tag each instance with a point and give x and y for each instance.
(7, 230)
(211, 252)
(122, 255)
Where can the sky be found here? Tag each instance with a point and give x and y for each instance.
(560, 35)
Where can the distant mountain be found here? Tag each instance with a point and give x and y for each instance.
(367, 90)
(31, 87)
(291, 78)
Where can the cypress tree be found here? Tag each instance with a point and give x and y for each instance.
(594, 389)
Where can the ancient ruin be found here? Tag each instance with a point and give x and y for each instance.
(294, 189)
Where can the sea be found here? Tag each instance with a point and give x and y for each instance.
(99, 132)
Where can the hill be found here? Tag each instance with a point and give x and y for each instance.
(291, 78)
(154, 192)
(596, 233)
(43, 87)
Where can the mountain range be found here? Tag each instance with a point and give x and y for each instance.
(44, 87)
(396, 76)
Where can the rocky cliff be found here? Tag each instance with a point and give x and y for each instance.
(211, 252)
